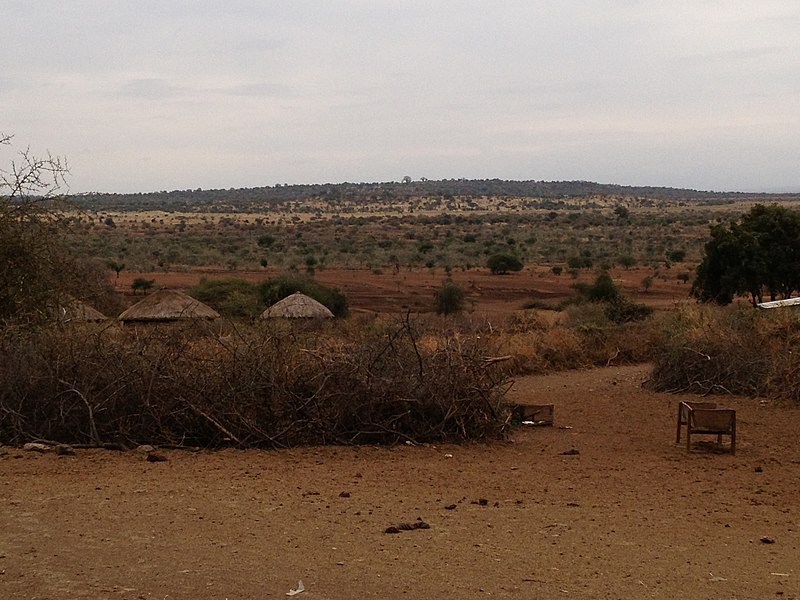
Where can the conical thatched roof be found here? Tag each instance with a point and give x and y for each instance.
(73, 310)
(168, 305)
(297, 306)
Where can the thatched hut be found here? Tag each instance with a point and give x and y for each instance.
(297, 306)
(166, 306)
(75, 311)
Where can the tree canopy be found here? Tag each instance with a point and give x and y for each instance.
(502, 263)
(449, 298)
(758, 256)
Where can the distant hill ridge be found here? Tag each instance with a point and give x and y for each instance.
(244, 198)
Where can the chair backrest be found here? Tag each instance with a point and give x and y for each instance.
(715, 420)
(695, 405)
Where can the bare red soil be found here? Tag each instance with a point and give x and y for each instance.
(396, 292)
(629, 515)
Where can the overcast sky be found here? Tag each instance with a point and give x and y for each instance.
(162, 95)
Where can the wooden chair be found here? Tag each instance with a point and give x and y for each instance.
(683, 414)
(706, 418)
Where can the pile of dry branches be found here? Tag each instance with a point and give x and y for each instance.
(265, 387)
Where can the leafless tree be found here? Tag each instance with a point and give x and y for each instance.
(33, 262)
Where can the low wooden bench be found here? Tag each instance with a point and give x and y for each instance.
(706, 418)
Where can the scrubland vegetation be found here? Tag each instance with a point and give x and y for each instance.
(707, 349)
(386, 378)
(267, 386)
(584, 233)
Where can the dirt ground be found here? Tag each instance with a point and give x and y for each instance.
(492, 295)
(629, 515)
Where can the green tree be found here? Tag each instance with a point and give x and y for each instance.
(449, 298)
(603, 290)
(757, 256)
(140, 283)
(278, 288)
(676, 255)
(502, 263)
(580, 261)
(117, 267)
(626, 260)
(266, 240)
(617, 307)
(231, 297)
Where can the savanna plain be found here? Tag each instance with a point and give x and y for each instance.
(602, 504)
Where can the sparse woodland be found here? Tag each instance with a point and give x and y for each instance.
(381, 380)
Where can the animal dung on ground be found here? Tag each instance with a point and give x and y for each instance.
(767, 540)
(418, 524)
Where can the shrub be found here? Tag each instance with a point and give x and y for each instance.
(255, 388)
(676, 255)
(233, 298)
(278, 288)
(626, 260)
(617, 308)
(602, 290)
(266, 240)
(140, 283)
(704, 349)
(585, 338)
(579, 262)
(623, 310)
(449, 299)
(502, 263)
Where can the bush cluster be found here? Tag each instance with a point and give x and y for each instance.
(278, 288)
(618, 308)
(265, 387)
(238, 298)
(585, 338)
(736, 350)
(449, 299)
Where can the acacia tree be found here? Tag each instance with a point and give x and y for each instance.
(36, 268)
(502, 262)
(28, 258)
(757, 256)
(117, 267)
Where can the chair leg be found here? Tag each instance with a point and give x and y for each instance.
(678, 432)
(688, 439)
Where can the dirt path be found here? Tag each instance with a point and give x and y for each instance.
(630, 516)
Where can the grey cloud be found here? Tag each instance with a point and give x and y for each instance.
(260, 89)
(150, 88)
